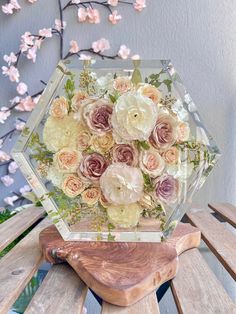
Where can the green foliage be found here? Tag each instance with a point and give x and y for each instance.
(69, 88)
(41, 153)
(148, 184)
(143, 145)
(113, 98)
(155, 80)
(5, 215)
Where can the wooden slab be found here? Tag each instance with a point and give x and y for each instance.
(225, 210)
(62, 291)
(121, 273)
(197, 290)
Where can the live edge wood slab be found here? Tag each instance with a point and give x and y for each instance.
(121, 273)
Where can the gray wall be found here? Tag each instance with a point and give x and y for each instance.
(198, 36)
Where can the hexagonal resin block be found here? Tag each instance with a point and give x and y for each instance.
(115, 150)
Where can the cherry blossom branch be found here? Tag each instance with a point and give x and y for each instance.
(62, 29)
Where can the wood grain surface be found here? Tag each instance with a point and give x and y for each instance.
(225, 210)
(121, 273)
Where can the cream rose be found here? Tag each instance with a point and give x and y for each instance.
(151, 162)
(171, 155)
(77, 100)
(83, 140)
(59, 133)
(122, 184)
(134, 116)
(151, 92)
(102, 144)
(91, 196)
(59, 108)
(164, 134)
(72, 186)
(122, 84)
(67, 160)
(124, 216)
(183, 130)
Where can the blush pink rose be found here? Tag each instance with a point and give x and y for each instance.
(98, 117)
(164, 134)
(125, 153)
(166, 189)
(72, 186)
(151, 162)
(92, 166)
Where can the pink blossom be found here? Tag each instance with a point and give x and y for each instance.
(4, 114)
(85, 57)
(19, 125)
(58, 25)
(75, 1)
(25, 189)
(31, 55)
(101, 45)
(15, 100)
(7, 180)
(38, 42)
(15, 4)
(27, 38)
(36, 99)
(1, 143)
(135, 57)
(10, 59)
(139, 5)
(114, 18)
(26, 104)
(12, 72)
(45, 32)
(82, 15)
(21, 88)
(10, 200)
(124, 52)
(4, 156)
(32, 1)
(93, 16)
(113, 3)
(12, 167)
(74, 48)
(7, 8)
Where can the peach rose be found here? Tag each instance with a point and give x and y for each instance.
(151, 92)
(122, 84)
(77, 99)
(83, 140)
(67, 160)
(151, 162)
(59, 108)
(183, 131)
(102, 144)
(72, 186)
(171, 155)
(91, 196)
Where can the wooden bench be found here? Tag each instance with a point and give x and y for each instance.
(195, 288)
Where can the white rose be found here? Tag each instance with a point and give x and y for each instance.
(134, 116)
(122, 184)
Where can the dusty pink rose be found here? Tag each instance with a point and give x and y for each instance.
(166, 189)
(124, 52)
(93, 16)
(125, 153)
(101, 45)
(122, 84)
(151, 162)
(74, 48)
(113, 3)
(164, 134)
(92, 166)
(98, 116)
(114, 17)
(21, 88)
(26, 104)
(139, 5)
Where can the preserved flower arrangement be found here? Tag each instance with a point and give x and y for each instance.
(115, 150)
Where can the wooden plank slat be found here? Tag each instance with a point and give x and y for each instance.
(18, 267)
(197, 290)
(62, 291)
(148, 305)
(225, 210)
(15, 226)
(221, 241)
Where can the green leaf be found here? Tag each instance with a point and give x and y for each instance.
(168, 84)
(143, 144)
(113, 98)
